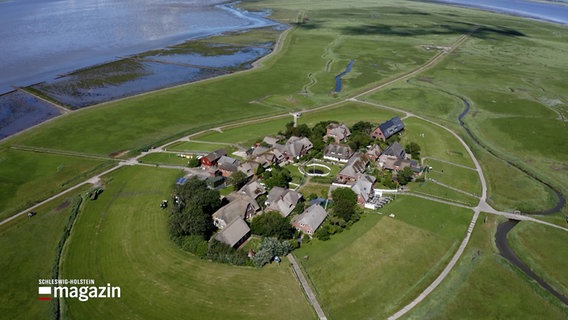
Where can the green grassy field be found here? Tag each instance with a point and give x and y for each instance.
(354, 270)
(458, 177)
(511, 71)
(484, 285)
(543, 249)
(509, 189)
(164, 158)
(435, 142)
(429, 188)
(28, 252)
(122, 239)
(192, 146)
(29, 177)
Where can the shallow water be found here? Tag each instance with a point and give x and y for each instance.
(19, 110)
(44, 38)
(146, 72)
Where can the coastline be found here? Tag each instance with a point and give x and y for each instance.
(255, 20)
(50, 65)
(254, 65)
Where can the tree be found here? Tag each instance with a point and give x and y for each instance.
(268, 249)
(413, 149)
(272, 224)
(323, 233)
(192, 209)
(363, 127)
(301, 130)
(344, 202)
(238, 179)
(193, 162)
(358, 140)
(404, 176)
(195, 190)
(192, 220)
(278, 176)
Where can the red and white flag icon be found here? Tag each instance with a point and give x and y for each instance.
(44, 290)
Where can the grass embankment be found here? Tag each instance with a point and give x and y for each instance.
(28, 247)
(380, 264)
(484, 285)
(122, 239)
(29, 177)
(544, 250)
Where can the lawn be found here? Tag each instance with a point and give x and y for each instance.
(354, 270)
(435, 190)
(122, 239)
(458, 177)
(29, 177)
(435, 142)
(196, 147)
(544, 250)
(28, 251)
(320, 189)
(484, 285)
(164, 158)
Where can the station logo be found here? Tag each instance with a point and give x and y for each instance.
(80, 289)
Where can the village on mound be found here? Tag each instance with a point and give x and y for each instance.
(261, 181)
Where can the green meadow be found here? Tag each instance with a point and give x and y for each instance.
(484, 285)
(28, 247)
(510, 70)
(164, 158)
(380, 263)
(30, 177)
(543, 249)
(122, 239)
(462, 178)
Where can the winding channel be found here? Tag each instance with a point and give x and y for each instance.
(504, 228)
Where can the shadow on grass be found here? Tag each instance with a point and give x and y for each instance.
(482, 32)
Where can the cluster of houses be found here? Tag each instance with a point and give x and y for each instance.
(242, 204)
(231, 218)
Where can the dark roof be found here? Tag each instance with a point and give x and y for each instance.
(395, 150)
(215, 155)
(391, 127)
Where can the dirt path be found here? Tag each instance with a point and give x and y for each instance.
(307, 289)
